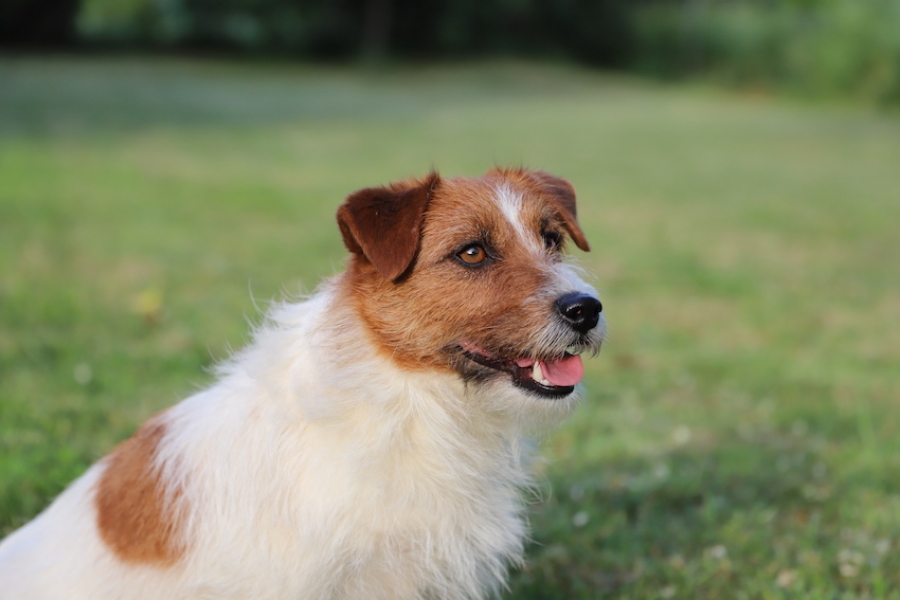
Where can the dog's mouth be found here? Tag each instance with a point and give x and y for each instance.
(549, 377)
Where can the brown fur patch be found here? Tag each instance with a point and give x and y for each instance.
(134, 516)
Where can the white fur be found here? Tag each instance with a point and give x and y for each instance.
(511, 203)
(313, 469)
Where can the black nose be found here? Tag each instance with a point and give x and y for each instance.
(580, 310)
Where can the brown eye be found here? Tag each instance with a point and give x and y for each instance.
(552, 240)
(473, 254)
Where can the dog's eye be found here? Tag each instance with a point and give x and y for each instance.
(473, 254)
(552, 240)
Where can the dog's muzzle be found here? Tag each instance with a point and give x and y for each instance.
(554, 374)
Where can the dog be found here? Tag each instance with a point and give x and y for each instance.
(372, 442)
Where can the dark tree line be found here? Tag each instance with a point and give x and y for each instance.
(38, 23)
(596, 31)
(822, 48)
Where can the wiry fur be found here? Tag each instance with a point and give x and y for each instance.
(350, 451)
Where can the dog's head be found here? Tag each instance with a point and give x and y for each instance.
(468, 275)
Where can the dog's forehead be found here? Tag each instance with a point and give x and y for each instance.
(497, 205)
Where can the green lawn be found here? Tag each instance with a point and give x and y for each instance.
(740, 434)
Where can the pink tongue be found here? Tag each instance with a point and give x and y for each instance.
(565, 371)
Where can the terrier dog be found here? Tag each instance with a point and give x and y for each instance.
(371, 442)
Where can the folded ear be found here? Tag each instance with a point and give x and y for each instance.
(562, 194)
(384, 224)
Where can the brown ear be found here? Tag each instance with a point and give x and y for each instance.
(563, 195)
(384, 224)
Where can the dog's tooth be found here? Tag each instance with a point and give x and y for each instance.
(536, 372)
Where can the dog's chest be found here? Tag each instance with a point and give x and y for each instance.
(393, 507)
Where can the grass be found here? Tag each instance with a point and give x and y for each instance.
(740, 432)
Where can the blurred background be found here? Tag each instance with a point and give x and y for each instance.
(818, 47)
(170, 167)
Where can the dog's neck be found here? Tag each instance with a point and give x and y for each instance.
(334, 370)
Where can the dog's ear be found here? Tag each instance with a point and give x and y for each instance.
(384, 224)
(562, 194)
